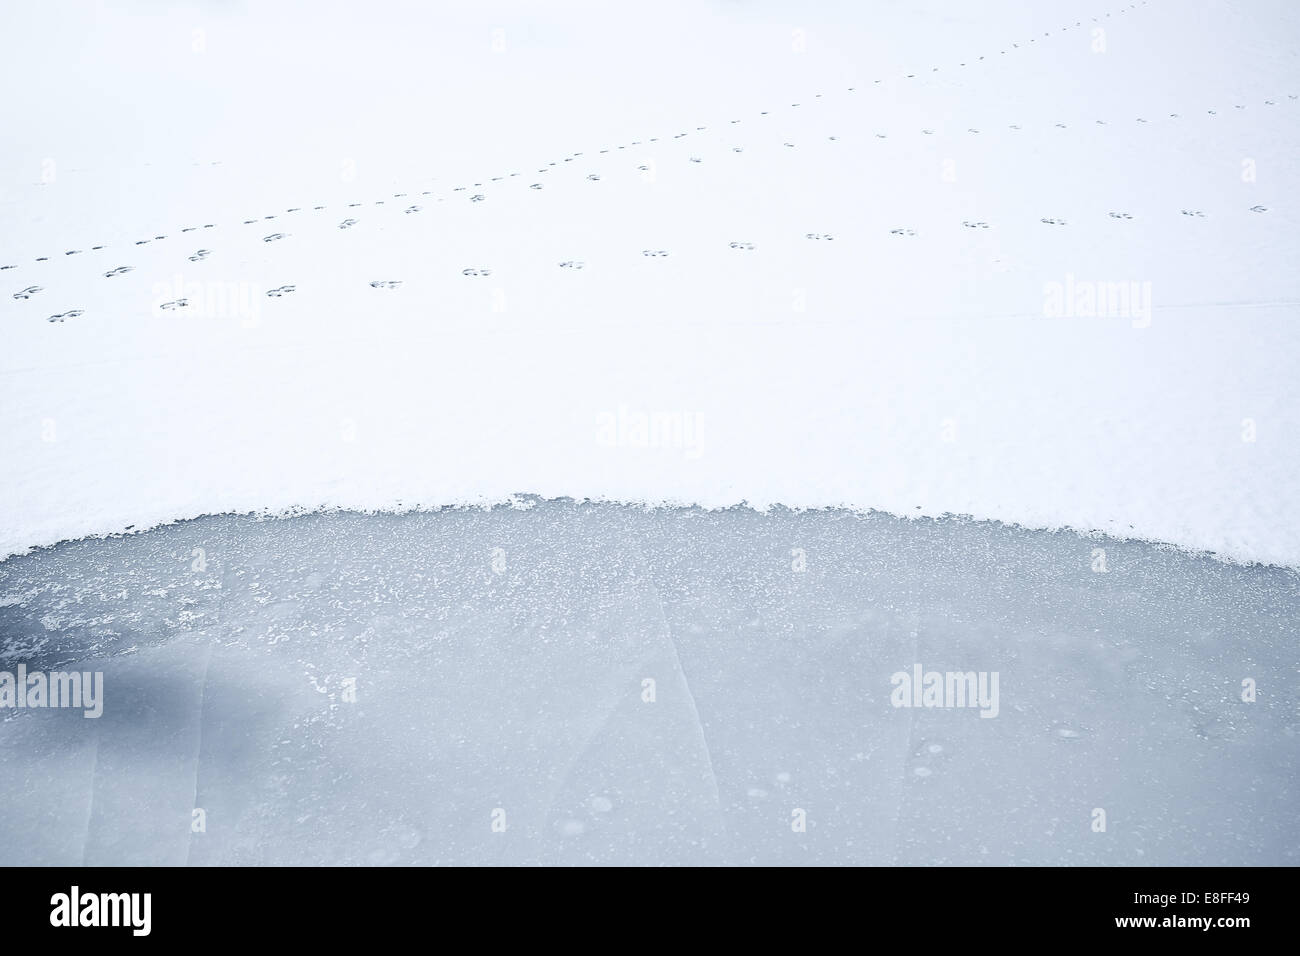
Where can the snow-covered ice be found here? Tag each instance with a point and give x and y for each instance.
(882, 228)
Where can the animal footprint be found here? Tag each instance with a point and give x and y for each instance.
(594, 177)
(1194, 212)
(200, 255)
(347, 223)
(535, 186)
(178, 304)
(120, 270)
(65, 315)
(385, 284)
(27, 293)
(573, 264)
(282, 290)
(477, 197)
(975, 225)
(1119, 215)
(902, 232)
(1259, 209)
(72, 252)
(476, 272)
(3, 268)
(742, 245)
(1054, 222)
(410, 209)
(817, 235)
(653, 252)
(273, 236)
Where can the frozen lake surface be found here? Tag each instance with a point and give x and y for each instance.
(392, 689)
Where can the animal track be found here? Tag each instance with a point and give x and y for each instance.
(1194, 212)
(200, 255)
(27, 293)
(476, 272)
(818, 235)
(411, 209)
(1259, 209)
(573, 264)
(385, 283)
(178, 304)
(282, 290)
(478, 197)
(59, 317)
(120, 270)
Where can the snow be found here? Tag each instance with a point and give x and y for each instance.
(914, 373)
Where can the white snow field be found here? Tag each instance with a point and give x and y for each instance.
(923, 372)
(960, 336)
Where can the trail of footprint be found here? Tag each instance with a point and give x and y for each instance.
(1077, 24)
